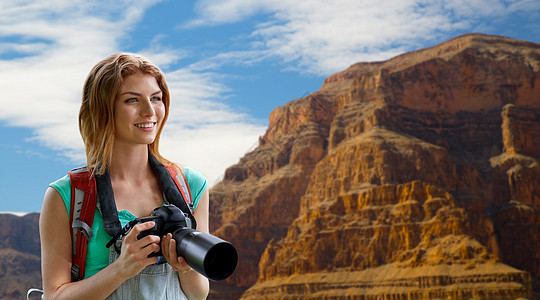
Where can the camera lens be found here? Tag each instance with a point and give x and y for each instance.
(207, 254)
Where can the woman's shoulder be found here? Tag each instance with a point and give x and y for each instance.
(192, 174)
(63, 187)
(196, 180)
(61, 184)
(62, 181)
(197, 183)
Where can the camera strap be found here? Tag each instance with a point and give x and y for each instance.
(120, 234)
(175, 189)
(105, 194)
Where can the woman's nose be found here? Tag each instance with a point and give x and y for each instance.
(147, 109)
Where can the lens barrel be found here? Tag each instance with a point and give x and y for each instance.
(207, 254)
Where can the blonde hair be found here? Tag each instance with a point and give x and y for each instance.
(96, 116)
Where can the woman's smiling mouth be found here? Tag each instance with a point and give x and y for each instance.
(145, 125)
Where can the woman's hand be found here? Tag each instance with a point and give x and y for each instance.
(168, 248)
(134, 252)
(194, 285)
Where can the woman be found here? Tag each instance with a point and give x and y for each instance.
(124, 107)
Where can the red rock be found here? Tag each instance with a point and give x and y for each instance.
(392, 175)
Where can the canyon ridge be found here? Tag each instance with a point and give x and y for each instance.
(412, 178)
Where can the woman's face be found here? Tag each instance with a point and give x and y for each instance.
(139, 110)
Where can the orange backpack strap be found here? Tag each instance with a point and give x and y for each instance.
(181, 183)
(83, 206)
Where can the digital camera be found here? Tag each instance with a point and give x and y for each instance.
(209, 255)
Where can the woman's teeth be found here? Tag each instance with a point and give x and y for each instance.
(146, 125)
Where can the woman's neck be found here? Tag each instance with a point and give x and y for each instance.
(130, 163)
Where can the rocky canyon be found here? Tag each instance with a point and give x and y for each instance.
(412, 178)
(20, 265)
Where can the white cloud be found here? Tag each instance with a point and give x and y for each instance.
(54, 44)
(202, 133)
(41, 86)
(209, 148)
(325, 36)
(18, 214)
(162, 55)
(214, 12)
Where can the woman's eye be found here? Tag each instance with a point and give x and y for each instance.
(131, 100)
(156, 99)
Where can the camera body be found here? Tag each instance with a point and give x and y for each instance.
(209, 255)
(167, 219)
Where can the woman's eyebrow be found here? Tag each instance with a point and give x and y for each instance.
(137, 94)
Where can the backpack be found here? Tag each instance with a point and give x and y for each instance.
(84, 200)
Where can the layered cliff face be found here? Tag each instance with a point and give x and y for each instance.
(20, 266)
(417, 177)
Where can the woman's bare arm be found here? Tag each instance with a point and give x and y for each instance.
(56, 256)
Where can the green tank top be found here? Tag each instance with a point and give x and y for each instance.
(97, 255)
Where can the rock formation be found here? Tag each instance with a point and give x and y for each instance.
(412, 178)
(20, 264)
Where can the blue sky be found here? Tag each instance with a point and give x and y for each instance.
(228, 63)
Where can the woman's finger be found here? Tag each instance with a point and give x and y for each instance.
(177, 262)
(134, 232)
(172, 247)
(164, 246)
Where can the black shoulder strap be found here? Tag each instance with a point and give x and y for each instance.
(170, 189)
(105, 195)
